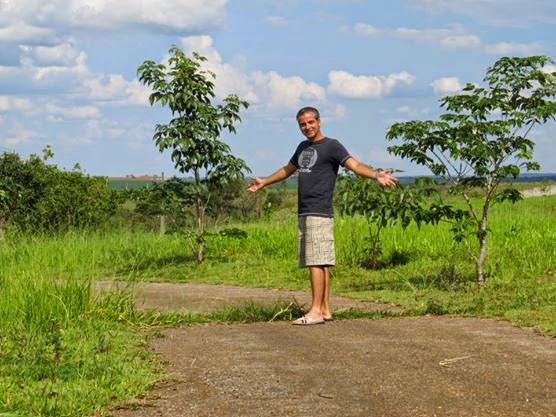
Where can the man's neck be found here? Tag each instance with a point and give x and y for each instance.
(318, 137)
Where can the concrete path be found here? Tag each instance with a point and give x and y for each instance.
(402, 367)
(426, 366)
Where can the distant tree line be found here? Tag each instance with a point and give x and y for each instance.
(36, 196)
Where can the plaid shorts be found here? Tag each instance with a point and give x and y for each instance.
(315, 241)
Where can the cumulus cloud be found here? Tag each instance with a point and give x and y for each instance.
(8, 103)
(266, 90)
(446, 85)
(102, 128)
(229, 79)
(73, 112)
(18, 32)
(452, 37)
(63, 55)
(517, 13)
(276, 20)
(18, 135)
(289, 92)
(345, 84)
(115, 89)
(364, 29)
(507, 48)
(178, 16)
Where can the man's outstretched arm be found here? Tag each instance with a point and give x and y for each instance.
(283, 173)
(382, 177)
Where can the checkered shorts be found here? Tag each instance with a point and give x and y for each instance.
(315, 241)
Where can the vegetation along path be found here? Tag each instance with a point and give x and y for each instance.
(413, 366)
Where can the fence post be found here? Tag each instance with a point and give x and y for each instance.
(162, 224)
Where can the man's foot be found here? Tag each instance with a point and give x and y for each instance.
(307, 321)
(327, 315)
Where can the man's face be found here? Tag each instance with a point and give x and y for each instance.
(309, 125)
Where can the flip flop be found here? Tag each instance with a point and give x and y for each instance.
(328, 318)
(306, 321)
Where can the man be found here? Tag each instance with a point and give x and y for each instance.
(317, 159)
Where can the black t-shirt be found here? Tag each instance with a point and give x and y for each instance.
(318, 163)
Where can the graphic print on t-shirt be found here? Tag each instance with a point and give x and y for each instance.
(307, 159)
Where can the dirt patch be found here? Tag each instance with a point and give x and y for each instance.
(426, 366)
(540, 191)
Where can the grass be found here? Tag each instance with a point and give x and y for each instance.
(65, 352)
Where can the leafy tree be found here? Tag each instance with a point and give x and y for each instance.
(193, 134)
(383, 207)
(482, 140)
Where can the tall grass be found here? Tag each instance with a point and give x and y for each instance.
(61, 354)
(65, 352)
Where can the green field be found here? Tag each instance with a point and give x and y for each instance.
(65, 352)
(128, 183)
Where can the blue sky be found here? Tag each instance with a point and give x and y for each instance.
(68, 71)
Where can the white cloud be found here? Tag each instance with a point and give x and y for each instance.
(58, 73)
(102, 129)
(114, 88)
(137, 93)
(507, 48)
(378, 157)
(8, 103)
(229, 80)
(20, 32)
(516, 13)
(404, 109)
(18, 135)
(74, 112)
(168, 15)
(62, 55)
(345, 84)
(364, 29)
(446, 85)
(276, 20)
(287, 92)
(461, 41)
(452, 37)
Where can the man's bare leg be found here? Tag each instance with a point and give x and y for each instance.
(325, 305)
(317, 274)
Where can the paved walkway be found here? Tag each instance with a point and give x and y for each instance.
(391, 367)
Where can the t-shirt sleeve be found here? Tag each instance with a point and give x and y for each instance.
(340, 153)
(295, 157)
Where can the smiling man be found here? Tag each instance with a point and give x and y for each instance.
(317, 159)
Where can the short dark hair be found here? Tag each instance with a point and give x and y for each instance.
(307, 109)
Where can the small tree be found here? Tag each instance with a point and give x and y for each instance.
(193, 134)
(384, 207)
(483, 139)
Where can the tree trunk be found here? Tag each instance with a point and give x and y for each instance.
(199, 213)
(480, 262)
(200, 230)
(482, 237)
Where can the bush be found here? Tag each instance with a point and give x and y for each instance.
(37, 196)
